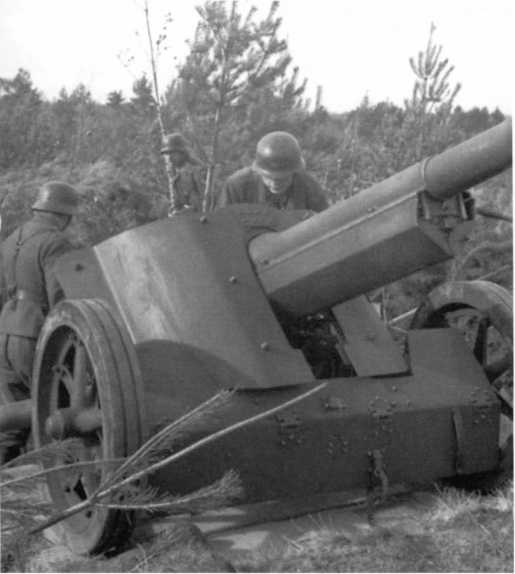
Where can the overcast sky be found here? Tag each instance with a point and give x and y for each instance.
(351, 48)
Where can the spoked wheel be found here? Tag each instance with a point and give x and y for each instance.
(483, 311)
(87, 384)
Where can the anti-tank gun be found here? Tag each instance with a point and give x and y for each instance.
(403, 224)
(161, 317)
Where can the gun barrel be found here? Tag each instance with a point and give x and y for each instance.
(380, 235)
(470, 162)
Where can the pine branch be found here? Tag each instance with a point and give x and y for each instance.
(19, 508)
(47, 453)
(215, 436)
(159, 548)
(162, 441)
(220, 492)
(103, 492)
(42, 474)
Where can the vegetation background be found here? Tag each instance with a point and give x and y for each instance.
(236, 83)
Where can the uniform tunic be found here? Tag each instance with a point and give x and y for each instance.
(188, 188)
(246, 186)
(30, 289)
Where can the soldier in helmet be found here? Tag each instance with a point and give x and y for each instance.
(31, 289)
(186, 181)
(277, 178)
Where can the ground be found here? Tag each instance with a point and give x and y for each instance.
(438, 530)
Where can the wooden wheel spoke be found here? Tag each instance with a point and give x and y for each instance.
(480, 344)
(65, 377)
(80, 377)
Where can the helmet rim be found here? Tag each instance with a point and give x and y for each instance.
(277, 173)
(57, 197)
(175, 142)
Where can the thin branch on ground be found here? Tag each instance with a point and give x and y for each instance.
(133, 469)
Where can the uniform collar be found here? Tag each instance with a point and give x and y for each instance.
(279, 200)
(44, 220)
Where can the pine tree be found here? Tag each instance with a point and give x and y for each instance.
(20, 104)
(429, 111)
(236, 66)
(115, 98)
(433, 89)
(142, 101)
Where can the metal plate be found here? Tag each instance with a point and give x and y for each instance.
(367, 341)
(323, 444)
(189, 281)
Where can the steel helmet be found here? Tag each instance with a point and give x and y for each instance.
(57, 197)
(175, 142)
(278, 154)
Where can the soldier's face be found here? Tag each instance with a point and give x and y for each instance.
(178, 158)
(65, 222)
(277, 184)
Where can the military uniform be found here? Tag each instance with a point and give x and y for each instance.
(186, 182)
(188, 188)
(247, 186)
(30, 290)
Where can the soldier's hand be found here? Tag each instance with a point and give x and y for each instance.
(181, 210)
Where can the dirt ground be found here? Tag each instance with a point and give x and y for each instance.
(421, 531)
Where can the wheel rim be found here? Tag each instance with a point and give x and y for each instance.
(67, 390)
(85, 368)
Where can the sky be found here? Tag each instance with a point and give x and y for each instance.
(351, 48)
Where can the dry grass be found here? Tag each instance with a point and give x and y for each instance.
(460, 532)
(463, 533)
(182, 549)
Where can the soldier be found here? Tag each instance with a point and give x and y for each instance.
(277, 178)
(31, 290)
(186, 182)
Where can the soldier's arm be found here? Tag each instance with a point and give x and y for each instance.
(3, 287)
(197, 191)
(223, 198)
(228, 195)
(51, 251)
(317, 200)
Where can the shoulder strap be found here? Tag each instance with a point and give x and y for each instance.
(11, 289)
(19, 243)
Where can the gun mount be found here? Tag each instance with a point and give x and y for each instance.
(159, 318)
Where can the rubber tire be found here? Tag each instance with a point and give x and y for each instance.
(119, 390)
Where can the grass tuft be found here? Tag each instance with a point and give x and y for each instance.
(462, 532)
